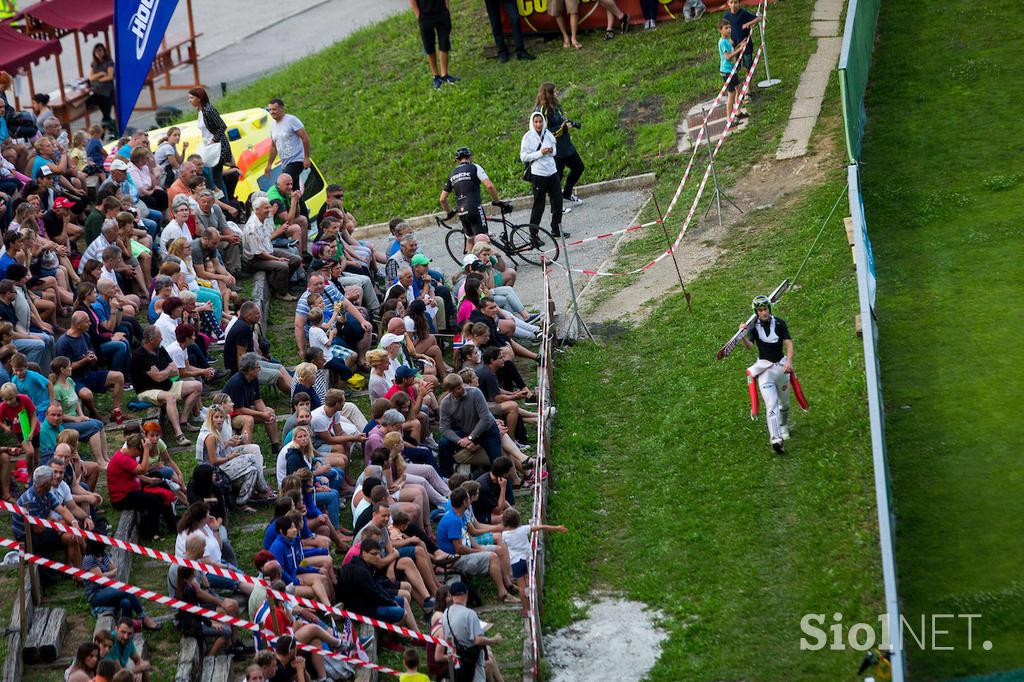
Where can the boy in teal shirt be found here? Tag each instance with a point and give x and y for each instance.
(727, 54)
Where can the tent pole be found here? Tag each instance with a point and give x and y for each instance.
(78, 55)
(194, 56)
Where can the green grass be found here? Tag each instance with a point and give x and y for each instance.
(378, 127)
(671, 493)
(943, 195)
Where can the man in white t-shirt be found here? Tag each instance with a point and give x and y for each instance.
(332, 432)
(185, 335)
(288, 140)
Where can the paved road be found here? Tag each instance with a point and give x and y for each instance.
(597, 215)
(241, 40)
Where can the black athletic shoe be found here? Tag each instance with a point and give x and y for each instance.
(503, 57)
(624, 22)
(777, 446)
(450, 79)
(525, 55)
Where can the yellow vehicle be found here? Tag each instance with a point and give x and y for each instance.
(249, 133)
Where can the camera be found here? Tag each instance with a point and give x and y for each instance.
(575, 124)
(479, 266)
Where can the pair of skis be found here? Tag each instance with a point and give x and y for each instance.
(731, 344)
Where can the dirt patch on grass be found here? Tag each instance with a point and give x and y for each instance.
(769, 184)
(618, 640)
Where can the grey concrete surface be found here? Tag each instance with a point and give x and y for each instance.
(241, 40)
(810, 91)
(597, 215)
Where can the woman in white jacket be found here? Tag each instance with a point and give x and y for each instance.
(538, 149)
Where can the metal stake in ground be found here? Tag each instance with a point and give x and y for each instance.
(671, 251)
(575, 327)
(768, 80)
(719, 194)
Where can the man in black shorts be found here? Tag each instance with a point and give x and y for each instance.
(465, 181)
(435, 22)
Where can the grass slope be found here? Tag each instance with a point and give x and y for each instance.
(944, 197)
(378, 127)
(676, 499)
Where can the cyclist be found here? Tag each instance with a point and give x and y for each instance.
(465, 181)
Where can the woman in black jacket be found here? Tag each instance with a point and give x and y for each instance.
(212, 126)
(566, 155)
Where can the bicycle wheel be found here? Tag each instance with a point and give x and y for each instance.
(455, 242)
(530, 242)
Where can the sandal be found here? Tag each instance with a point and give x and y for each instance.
(246, 509)
(446, 560)
(508, 599)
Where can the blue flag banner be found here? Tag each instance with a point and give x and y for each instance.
(139, 26)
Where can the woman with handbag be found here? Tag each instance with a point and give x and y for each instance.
(215, 138)
(537, 151)
(566, 155)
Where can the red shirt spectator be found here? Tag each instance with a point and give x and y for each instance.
(121, 477)
(9, 412)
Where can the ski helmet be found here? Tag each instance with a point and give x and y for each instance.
(761, 301)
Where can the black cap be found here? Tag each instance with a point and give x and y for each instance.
(458, 587)
(321, 263)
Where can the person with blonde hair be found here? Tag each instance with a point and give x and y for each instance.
(243, 464)
(180, 251)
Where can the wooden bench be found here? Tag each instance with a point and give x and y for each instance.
(364, 630)
(12, 665)
(216, 669)
(188, 660)
(127, 530)
(43, 642)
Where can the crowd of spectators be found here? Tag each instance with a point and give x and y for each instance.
(120, 291)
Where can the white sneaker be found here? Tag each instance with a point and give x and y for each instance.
(574, 199)
(784, 432)
(777, 445)
(566, 210)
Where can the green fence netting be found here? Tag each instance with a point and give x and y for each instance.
(854, 63)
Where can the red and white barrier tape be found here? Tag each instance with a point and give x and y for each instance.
(217, 570)
(179, 605)
(682, 183)
(696, 199)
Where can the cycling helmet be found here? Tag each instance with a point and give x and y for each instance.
(463, 153)
(761, 301)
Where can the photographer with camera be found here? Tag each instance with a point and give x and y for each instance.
(566, 155)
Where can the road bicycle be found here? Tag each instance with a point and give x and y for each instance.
(524, 242)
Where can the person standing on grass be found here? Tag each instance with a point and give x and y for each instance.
(462, 627)
(558, 9)
(435, 22)
(537, 148)
(494, 15)
(740, 22)
(517, 539)
(727, 54)
(772, 369)
(566, 155)
(288, 139)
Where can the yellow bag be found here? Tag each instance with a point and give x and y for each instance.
(357, 382)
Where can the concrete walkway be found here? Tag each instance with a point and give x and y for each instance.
(825, 26)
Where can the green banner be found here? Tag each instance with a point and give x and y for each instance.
(854, 64)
